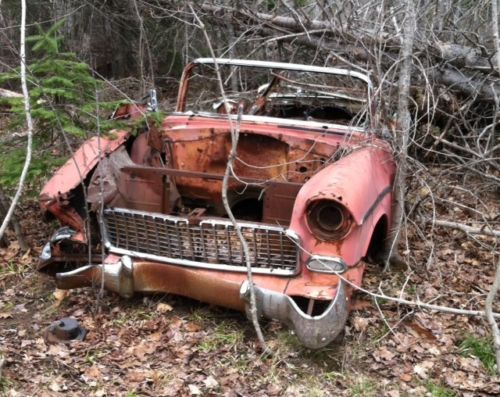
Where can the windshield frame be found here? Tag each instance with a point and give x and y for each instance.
(184, 85)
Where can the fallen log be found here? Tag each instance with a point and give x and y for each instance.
(485, 230)
(9, 94)
(464, 69)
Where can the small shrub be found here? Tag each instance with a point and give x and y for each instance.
(482, 348)
(439, 391)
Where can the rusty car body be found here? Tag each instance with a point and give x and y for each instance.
(311, 189)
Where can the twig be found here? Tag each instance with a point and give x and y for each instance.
(2, 362)
(419, 304)
(100, 216)
(225, 181)
(29, 122)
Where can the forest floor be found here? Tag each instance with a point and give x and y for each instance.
(162, 345)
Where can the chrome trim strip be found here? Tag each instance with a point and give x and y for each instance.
(376, 202)
(272, 120)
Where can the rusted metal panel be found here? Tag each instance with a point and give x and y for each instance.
(279, 199)
(146, 171)
(129, 111)
(80, 164)
(56, 195)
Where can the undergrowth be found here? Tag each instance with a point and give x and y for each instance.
(482, 348)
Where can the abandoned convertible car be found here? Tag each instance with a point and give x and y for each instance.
(311, 189)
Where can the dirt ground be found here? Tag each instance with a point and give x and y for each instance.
(162, 345)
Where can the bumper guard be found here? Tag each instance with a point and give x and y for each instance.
(314, 332)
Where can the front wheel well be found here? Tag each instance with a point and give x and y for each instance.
(377, 248)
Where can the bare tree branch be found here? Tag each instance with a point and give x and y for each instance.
(225, 181)
(29, 122)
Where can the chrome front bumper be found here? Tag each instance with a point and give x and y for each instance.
(313, 331)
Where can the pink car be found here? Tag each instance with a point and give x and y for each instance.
(311, 191)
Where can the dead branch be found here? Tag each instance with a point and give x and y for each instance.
(336, 39)
(485, 230)
(9, 94)
(29, 122)
(472, 86)
(2, 362)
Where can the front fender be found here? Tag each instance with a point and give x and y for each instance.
(55, 195)
(358, 181)
(362, 182)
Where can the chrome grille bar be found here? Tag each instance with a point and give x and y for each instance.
(213, 243)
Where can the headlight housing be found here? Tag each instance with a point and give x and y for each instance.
(326, 264)
(328, 220)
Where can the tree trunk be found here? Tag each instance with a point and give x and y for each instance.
(404, 124)
(496, 283)
(29, 122)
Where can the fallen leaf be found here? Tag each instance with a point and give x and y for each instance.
(210, 382)
(155, 337)
(422, 369)
(360, 323)
(136, 376)
(383, 354)
(21, 308)
(273, 390)
(192, 327)
(163, 308)
(419, 330)
(54, 387)
(360, 304)
(93, 372)
(59, 295)
(405, 377)
(194, 390)
(142, 350)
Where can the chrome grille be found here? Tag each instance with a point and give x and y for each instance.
(213, 243)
